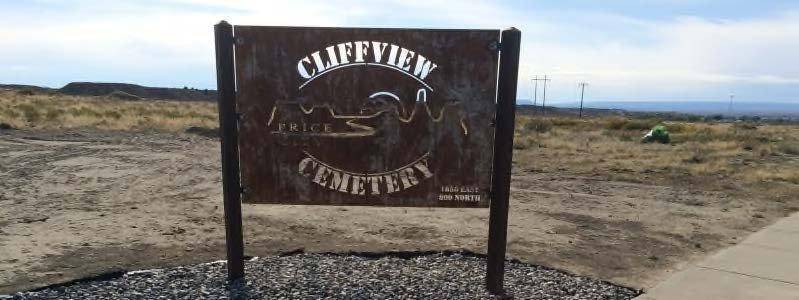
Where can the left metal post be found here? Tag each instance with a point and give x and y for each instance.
(228, 128)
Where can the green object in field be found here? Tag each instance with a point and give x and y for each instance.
(657, 134)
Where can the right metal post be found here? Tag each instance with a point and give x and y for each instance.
(503, 158)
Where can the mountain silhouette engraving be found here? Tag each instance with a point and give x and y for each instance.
(367, 123)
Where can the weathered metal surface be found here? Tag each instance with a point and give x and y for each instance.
(353, 116)
(226, 85)
(503, 160)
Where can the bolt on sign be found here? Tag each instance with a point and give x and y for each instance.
(354, 116)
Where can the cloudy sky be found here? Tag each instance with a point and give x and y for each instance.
(656, 50)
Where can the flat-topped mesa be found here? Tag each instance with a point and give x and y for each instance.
(382, 54)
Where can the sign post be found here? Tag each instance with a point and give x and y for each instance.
(228, 128)
(367, 116)
(503, 154)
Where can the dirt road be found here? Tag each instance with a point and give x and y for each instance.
(78, 203)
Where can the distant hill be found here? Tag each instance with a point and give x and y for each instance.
(101, 89)
(25, 87)
(705, 108)
(525, 109)
(126, 91)
(122, 91)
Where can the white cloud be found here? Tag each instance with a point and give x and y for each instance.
(678, 56)
(120, 39)
(622, 56)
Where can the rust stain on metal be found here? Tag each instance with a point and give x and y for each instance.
(353, 116)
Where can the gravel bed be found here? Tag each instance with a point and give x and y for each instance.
(333, 276)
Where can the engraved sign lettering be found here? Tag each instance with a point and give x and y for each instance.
(354, 116)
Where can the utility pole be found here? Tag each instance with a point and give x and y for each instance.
(582, 93)
(544, 102)
(730, 107)
(535, 90)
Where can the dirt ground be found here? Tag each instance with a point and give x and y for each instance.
(78, 203)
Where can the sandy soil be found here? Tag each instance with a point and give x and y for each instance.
(73, 204)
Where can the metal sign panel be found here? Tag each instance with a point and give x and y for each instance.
(355, 116)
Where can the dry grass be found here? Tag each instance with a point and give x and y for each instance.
(56, 111)
(741, 152)
(712, 153)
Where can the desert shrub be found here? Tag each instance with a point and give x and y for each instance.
(25, 92)
(744, 126)
(692, 118)
(8, 112)
(714, 118)
(538, 125)
(615, 123)
(214, 132)
(138, 111)
(637, 124)
(53, 114)
(749, 136)
(521, 144)
(749, 145)
(757, 147)
(764, 151)
(112, 114)
(788, 147)
(564, 122)
(29, 112)
(630, 124)
(624, 136)
(697, 154)
(198, 115)
(751, 118)
(703, 135)
(172, 114)
(628, 137)
(84, 111)
(144, 124)
(675, 128)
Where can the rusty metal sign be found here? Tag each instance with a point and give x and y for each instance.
(354, 116)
